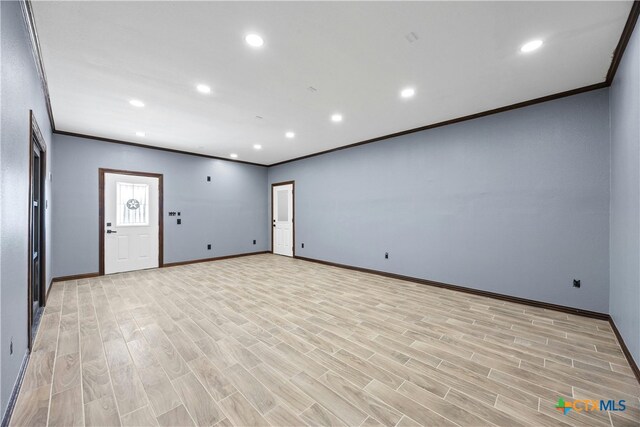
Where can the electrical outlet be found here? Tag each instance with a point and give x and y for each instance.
(254, 241)
(209, 246)
(11, 346)
(386, 255)
(576, 283)
(303, 246)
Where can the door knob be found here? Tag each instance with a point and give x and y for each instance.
(111, 231)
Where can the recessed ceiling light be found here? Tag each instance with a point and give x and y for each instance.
(141, 134)
(203, 88)
(254, 40)
(531, 46)
(290, 134)
(336, 118)
(408, 92)
(136, 103)
(233, 155)
(257, 146)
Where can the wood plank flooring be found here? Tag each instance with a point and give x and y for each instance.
(269, 340)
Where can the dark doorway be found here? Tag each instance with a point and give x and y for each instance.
(37, 207)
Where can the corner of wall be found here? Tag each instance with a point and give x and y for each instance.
(624, 211)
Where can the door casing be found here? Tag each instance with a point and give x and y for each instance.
(35, 137)
(293, 210)
(101, 173)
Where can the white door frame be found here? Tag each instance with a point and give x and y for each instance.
(101, 173)
(293, 215)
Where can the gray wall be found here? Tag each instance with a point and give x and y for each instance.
(20, 91)
(515, 203)
(229, 212)
(625, 196)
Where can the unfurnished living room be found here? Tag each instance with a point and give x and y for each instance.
(320, 213)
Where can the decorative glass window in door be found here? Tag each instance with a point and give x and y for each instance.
(132, 204)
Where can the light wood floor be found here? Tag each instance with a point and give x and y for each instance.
(269, 340)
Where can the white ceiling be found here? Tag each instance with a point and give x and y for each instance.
(99, 55)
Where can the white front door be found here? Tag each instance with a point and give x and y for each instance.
(131, 222)
(283, 219)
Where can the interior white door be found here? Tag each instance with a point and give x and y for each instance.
(283, 219)
(131, 222)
